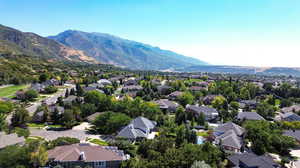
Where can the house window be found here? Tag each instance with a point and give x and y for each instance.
(100, 164)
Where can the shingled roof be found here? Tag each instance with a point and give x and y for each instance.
(230, 126)
(91, 153)
(249, 116)
(252, 160)
(139, 127)
(290, 117)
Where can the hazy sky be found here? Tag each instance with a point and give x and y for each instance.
(231, 32)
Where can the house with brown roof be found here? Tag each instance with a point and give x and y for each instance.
(84, 155)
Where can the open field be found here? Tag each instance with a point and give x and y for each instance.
(9, 91)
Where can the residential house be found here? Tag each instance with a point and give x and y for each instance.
(293, 108)
(38, 87)
(290, 117)
(70, 156)
(167, 105)
(51, 82)
(209, 112)
(164, 89)
(174, 95)
(249, 116)
(38, 116)
(293, 133)
(202, 84)
(137, 129)
(130, 82)
(70, 99)
(132, 88)
(229, 137)
(20, 95)
(104, 82)
(207, 100)
(92, 88)
(198, 88)
(248, 104)
(251, 160)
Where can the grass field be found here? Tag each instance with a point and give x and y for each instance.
(9, 91)
(98, 142)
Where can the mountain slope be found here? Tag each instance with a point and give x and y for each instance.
(121, 52)
(277, 71)
(20, 43)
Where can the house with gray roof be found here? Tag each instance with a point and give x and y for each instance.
(174, 95)
(251, 160)
(248, 104)
(229, 137)
(293, 108)
(209, 112)
(167, 105)
(293, 133)
(164, 89)
(290, 117)
(139, 128)
(242, 116)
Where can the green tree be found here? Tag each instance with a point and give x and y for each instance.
(20, 117)
(43, 77)
(180, 115)
(31, 95)
(39, 157)
(186, 98)
(219, 102)
(200, 164)
(201, 119)
(110, 122)
(245, 94)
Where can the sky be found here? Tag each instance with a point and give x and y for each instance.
(221, 32)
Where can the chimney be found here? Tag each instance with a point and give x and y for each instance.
(82, 156)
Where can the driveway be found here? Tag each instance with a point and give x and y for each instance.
(48, 100)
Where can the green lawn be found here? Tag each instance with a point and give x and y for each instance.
(9, 91)
(98, 142)
(203, 134)
(36, 125)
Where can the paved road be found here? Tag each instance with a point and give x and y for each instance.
(49, 100)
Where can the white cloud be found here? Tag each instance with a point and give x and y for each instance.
(245, 53)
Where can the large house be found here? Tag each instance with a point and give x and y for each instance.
(84, 155)
(293, 108)
(229, 137)
(290, 117)
(139, 128)
(249, 116)
(293, 133)
(175, 95)
(209, 112)
(251, 160)
(167, 105)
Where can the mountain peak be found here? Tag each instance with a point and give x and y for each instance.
(114, 50)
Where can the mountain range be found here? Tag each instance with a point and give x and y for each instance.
(95, 48)
(16, 42)
(125, 53)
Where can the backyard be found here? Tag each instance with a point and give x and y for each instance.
(9, 91)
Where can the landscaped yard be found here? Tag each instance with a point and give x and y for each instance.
(98, 142)
(35, 125)
(203, 134)
(9, 91)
